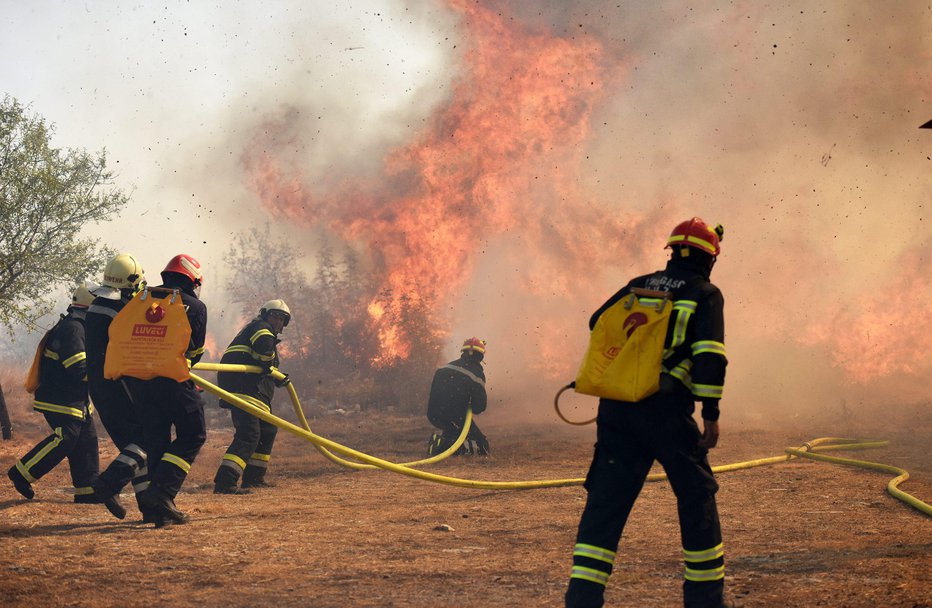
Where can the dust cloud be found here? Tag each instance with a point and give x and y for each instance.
(546, 163)
(525, 160)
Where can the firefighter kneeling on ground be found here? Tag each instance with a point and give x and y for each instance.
(251, 449)
(457, 386)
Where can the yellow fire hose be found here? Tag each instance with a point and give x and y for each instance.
(324, 445)
(299, 412)
(892, 486)
(823, 444)
(365, 458)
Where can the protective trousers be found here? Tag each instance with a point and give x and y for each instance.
(72, 438)
(121, 420)
(249, 453)
(163, 404)
(476, 442)
(630, 437)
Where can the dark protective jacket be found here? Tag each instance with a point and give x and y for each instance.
(63, 369)
(100, 314)
(255, 344)
(196, 312)
(695, 344)
(456, 386)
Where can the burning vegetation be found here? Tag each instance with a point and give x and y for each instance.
(495, 167)
(490, 197)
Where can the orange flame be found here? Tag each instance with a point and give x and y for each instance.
(500, 161)
(210, 347)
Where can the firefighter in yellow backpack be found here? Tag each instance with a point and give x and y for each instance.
(632, 434)
(61, 396)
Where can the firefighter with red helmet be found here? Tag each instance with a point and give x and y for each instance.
(165, 404)
(632, 435)
(251, 450)
(457, 386)
(61, 396)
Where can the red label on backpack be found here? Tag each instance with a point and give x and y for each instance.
(150, 331)
(633, 321)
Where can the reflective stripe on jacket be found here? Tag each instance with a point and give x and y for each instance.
(255, 344)
(63, 369)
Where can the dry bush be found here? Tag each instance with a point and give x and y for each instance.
(18, 401)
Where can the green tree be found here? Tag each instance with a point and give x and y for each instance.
(47, 196)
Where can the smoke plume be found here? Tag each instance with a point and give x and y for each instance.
(569, 140)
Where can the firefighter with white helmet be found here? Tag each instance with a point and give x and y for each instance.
(251, 450)
(123, 278)
(631, 435)
(123, 272)
(61, 396)
(457, 386)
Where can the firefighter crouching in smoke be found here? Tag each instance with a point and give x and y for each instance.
(251, 449)
(59, 381)
(459, 385)
(123, 277)
(165, 403)
(632, 435)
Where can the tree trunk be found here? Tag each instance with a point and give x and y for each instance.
(5, 424)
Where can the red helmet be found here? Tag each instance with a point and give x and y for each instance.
(474, 344)
(696, 233)
(184, 264)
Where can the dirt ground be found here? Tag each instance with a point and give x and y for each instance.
(796, 534)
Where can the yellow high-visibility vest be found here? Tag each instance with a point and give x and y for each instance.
(623, 361)
(148, 339)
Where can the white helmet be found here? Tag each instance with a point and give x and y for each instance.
(123, 271)
(82, 296)
(278, 306)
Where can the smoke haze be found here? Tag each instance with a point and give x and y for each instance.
(525, 160)
(795, 128)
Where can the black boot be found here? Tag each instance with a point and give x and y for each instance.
(114, 506)
(584, 594)
(254, 477)
(482, 446)
(226, 480)
(257, 483)
(21, 484)
(164, 512)
(102, 495)
(218, 489)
